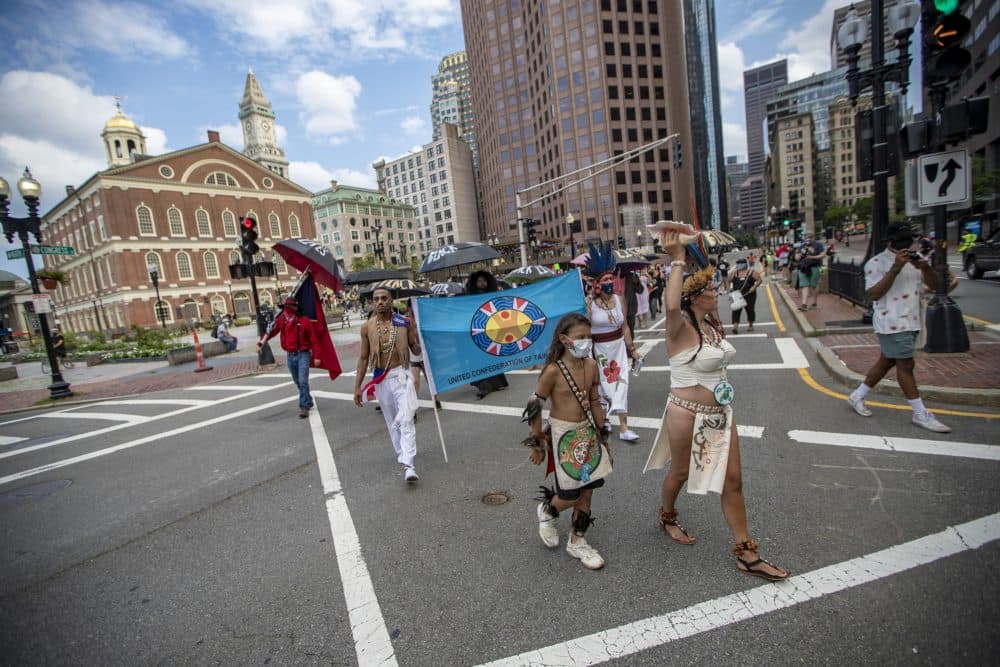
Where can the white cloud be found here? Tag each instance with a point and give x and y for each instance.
(156, 140)
(413, 125)
(386, 112)
(809, 46)
(734, 138)
(731, 66)
(125, 29)
(315, 177)
(328, 104)
(759, 22)
(54, 166)
(231, 134)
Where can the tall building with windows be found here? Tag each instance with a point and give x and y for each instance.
(736, 175)
(706, 115)
(759, 86)
(794, 168)
(257, 118)
(438, 182)
(451, 101)
(353, 221)
(557, 87)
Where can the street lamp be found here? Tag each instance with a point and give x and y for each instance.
(232, 302)
(154, 276)
(850, 36)
(379, 248)
(31, 193)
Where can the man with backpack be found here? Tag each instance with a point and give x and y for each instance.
(223, 334)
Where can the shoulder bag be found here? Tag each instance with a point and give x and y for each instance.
(572, 450)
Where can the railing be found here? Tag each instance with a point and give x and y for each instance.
(847, 280)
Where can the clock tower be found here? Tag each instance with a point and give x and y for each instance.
(257, 119)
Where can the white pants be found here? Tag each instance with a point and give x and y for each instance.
(398, 400)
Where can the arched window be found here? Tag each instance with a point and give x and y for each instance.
(204, 226)
(221, 178)
(118, 148)
(145, 217)
(162, 312)
(266, 298)
(131, 147)
(279, 264)
(241, 302)
(293, 224)
(191, 310)
(184, 266)
(175, 221)
(211, 265)
(153, 259)
(234, 257)
(275, 225)
(218, 305)
(228, 223)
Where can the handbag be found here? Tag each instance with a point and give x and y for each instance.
(265, 357)
(736, 300)
(599, 463)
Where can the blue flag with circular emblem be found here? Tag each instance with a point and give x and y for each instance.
(471, 337)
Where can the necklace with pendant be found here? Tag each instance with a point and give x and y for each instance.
(610, 310)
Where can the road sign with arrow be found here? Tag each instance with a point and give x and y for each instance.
(944, 178)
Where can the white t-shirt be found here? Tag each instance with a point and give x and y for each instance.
(899, 309)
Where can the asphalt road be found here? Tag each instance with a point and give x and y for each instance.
(213, 526)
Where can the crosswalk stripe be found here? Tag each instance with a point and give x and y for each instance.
(896, 444)
(227, 387)
(155, 401)
(109, 416)
(10, 440)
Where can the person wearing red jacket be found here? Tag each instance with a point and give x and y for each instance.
(297, 340)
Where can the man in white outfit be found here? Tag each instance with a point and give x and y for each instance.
(386, 342)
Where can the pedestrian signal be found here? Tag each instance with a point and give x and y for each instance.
(248, 236)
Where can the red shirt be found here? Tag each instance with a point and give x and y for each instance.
(296, 333)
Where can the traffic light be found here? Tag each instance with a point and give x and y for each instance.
(944, 57)
(964, 118)
(621, 242)
(248, 236)
(793, 204)
(678, 155)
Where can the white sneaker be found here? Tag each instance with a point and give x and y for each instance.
(410, 474)
(628, 436)
(586, 553)
(928, 421)
(547, 528)
(859, 406)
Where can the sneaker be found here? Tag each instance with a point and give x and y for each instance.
(303, 413)
(628, 436)
(859, 405)
(928, 421)
(585, 553)
(547, 528)
(410, 474)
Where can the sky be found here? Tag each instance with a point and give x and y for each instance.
(349, 80)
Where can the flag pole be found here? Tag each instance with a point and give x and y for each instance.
(437, 419)
(430, 376)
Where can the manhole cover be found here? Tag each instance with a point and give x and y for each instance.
(28, 493)
(496, 497)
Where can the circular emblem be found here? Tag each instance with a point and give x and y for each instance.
(506, 325)
(579, 453)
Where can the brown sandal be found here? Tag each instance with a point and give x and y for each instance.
(670, 519)
(748, 568)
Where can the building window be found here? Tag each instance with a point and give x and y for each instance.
(166, 172)
(153, 259)
(228, 223)
(275, 225)
(221, 178)
(293, 224)
(204, 227)
(211, 265)
(184, 266)
(145, 218)
(279, 264)
(234, 257)
(175, 221)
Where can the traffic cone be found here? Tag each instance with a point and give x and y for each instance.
(197, 350)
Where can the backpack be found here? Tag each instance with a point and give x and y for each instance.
(215, 331)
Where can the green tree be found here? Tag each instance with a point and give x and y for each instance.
(362, 263)
(863, 208)
(985, 184)
(836, 216)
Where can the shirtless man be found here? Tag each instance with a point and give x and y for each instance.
(386, 342)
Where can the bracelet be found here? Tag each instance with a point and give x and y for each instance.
(678, 262)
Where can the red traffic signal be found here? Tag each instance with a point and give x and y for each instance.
(249, 223)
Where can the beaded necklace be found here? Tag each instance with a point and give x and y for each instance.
(610, 311)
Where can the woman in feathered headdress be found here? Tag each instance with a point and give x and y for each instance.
(613, 346)
(698, 435)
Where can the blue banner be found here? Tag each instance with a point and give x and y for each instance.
(472, 337)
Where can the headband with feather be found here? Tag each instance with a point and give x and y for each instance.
(600, 260)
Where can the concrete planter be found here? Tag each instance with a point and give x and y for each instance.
(184, 355)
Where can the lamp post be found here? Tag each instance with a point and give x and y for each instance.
(154, 276)
(232, 301)
(31, 192)
(571, 223)
(379, 248)
(851, 35)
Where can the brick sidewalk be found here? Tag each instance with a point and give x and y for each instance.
(832, 312)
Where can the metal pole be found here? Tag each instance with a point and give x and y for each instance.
(880, 171)
(261, 325)
(520, 230)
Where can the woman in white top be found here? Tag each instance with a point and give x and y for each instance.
(698, 435)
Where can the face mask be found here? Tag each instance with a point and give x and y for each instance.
(581, 348)
(607, 288)
(741, 266)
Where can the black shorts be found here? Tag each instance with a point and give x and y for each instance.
(574, 494)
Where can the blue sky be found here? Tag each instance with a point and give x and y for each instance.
(349, 79)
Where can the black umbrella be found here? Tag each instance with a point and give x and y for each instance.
(447, 289)
(374, 276)
(456, 254)
(306, 254)
(400, 289)
(529, 274)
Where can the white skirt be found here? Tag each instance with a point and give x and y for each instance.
(613, 365)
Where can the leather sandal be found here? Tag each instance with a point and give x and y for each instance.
(749, 568)
(670, 519)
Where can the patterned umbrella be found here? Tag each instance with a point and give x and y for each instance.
(374, 275)
(625, 260)
(456, 254)
(529, 274)
(447, 289)
(317, 258)
(400, 289)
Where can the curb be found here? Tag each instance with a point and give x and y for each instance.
(806, 327)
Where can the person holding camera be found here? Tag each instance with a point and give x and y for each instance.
(894, 279)
(813, 253)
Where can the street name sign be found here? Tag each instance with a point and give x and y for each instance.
(18, 253)
(944, 178)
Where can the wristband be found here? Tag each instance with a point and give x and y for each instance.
(678, 263)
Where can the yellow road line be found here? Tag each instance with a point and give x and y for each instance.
(810, 381)
(977, 320)
(774, 309)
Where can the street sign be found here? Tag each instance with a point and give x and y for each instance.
(42, 303)
(944, 178)
(18, 253)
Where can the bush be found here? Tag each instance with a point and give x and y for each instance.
(242, 321)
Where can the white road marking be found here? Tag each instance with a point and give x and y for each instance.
(371, 637)
(747, 335)
(648, 633)
(10, 440)
(155, 401)
(652, 423)
(227, 387)
(895, 444)
(110, 416)
(646, 345)
(156, 437)
(791, 353)
(109, 429)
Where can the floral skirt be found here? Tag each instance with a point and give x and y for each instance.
(613, 366)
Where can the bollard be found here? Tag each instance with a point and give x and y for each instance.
(197, 350)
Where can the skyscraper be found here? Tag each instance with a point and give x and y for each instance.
(759, 86)
(706, 116)
(559, 87)
(260, 142)
(451, 101)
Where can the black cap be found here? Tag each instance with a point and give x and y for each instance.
(899, 231)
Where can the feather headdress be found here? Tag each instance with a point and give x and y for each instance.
(600, 260)
(695, 283)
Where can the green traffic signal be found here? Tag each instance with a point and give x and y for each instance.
(946, 6)
(787, 222)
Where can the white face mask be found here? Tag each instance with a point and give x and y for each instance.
(581, 348)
